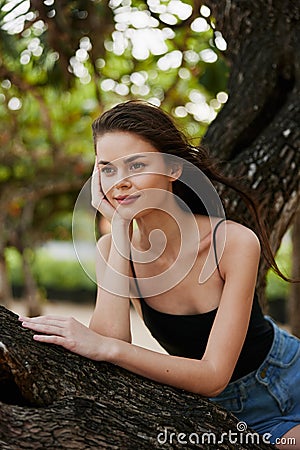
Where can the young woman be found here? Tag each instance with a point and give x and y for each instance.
(219, 343)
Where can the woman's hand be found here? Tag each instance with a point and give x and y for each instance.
(99, 201)
(70, 334)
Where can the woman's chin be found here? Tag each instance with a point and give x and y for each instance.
(128, 212)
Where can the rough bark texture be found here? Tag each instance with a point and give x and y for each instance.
(294, 307)
(257, 131)
(5, 287)
(53, 399)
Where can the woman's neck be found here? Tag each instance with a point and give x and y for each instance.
(172, 228)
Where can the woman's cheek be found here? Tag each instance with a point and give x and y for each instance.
(150, 180)
(106, 186)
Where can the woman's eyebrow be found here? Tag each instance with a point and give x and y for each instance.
(104, 163)
(127, 160)
(133, 158)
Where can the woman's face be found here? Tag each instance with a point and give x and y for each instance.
(133, 174)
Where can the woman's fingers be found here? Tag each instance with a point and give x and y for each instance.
(54, 330)
(68, 333)
(99, 201)
(54, 325)
(59, 323)
(48, 318)
(107, 210)
(58, 340)
(96, 191)
(41, 327)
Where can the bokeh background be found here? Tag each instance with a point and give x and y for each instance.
(62, 63)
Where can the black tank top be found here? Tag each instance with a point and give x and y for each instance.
(187, 335)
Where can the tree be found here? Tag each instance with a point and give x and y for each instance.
(98, 61)
(60, 66)
(255, 134)
(294, 310)
(51, 398)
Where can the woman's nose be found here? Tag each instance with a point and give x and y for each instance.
(123, 182)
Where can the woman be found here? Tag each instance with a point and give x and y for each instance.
(204, 310)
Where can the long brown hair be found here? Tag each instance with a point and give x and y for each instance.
(158, 128)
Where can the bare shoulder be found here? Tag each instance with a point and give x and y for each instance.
(242, 248)
(238, 235)
(239, 246)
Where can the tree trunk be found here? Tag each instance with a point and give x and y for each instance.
(5, 286)
(31, 291)
(54, 399)
(294, 306)
(51, 398)
(257, 132)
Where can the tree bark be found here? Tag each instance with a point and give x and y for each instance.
(51, 398)
(31, 291)
(54, 399)
(5, 286)
(257, 132)
(294, 306)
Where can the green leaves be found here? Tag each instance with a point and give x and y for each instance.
(5, 173)
(62, 63)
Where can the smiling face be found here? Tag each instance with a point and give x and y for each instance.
(133, 173)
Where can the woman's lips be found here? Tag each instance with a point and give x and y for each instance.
(127, 199)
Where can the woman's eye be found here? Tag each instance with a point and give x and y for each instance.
(137, 165)
(107, 170)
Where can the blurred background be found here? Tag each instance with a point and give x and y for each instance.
(61, 64)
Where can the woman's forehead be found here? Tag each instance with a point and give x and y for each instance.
(119, 144)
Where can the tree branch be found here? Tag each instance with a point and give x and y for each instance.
(56, 399)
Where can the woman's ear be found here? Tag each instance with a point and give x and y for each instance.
(175, 171)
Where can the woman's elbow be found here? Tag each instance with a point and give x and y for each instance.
(210, 391)
(216, 391)
(217, 381)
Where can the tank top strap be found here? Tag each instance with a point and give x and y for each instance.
(215, 252)
(215, 245)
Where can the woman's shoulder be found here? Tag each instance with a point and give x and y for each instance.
(237, 234)
(241, 245)
(222, 228)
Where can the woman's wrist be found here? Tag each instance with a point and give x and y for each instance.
(119, 223)
(121, 236)
(110, 351)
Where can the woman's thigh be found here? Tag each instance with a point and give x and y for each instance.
(268, 400)
(290, 440)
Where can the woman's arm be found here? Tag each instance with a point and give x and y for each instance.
(111, 316)
(208, 376)
(238, 266)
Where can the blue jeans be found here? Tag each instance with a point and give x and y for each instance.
(268, 399)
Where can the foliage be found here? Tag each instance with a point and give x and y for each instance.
(276, 287)
(68, 274)
(64, 62)
(166, 53)
(50, 272)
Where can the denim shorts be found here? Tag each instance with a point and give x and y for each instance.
(268, 399)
